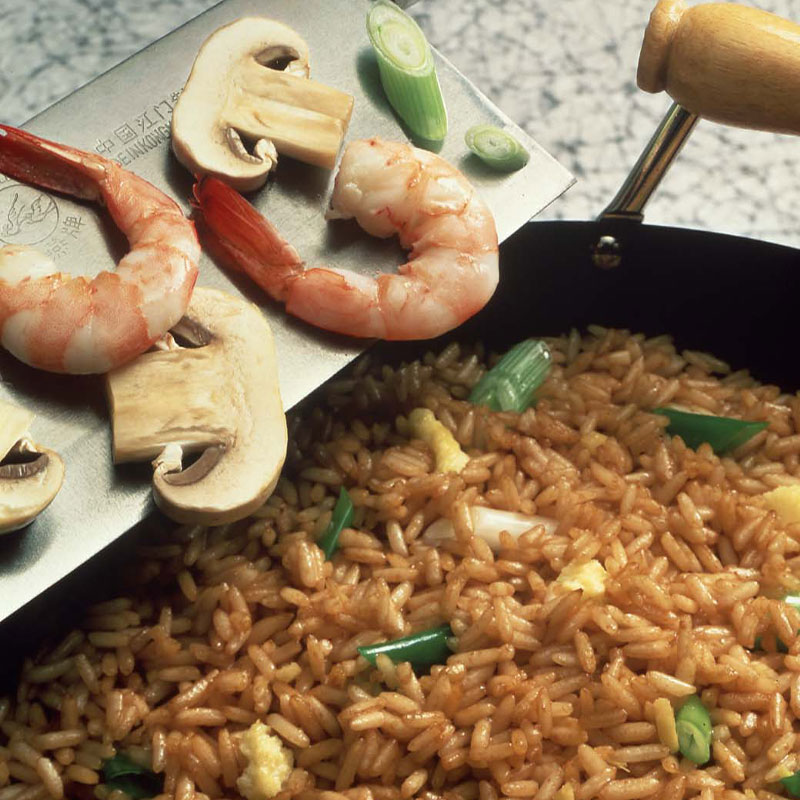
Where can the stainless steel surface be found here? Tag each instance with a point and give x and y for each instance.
(661, 150)
(125, 115)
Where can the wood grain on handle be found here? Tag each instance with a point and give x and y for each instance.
(725, 62)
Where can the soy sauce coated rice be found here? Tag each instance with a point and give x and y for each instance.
(550, 695)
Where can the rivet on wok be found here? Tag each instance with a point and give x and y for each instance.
(606, 253)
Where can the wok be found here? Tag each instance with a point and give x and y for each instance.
(729, 295)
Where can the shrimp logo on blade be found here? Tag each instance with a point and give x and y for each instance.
(27, 215)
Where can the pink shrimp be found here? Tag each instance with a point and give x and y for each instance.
(64, 323)
(390, 188)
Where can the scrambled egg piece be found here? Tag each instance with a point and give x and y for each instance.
(593, 441)
(785, 772)
(785, 502)
(591, 577)
(449, 456)
(665, 724)
(566, 792)
(269, 763)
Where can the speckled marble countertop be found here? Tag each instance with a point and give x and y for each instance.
(564, 70)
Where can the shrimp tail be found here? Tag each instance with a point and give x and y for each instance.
(243, 239)
(29, 159)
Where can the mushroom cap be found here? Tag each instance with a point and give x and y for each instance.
(200, 131)
(29, 480)
(218, 398)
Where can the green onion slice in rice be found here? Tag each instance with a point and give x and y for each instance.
(422, 650)
(488, 523)
(138, 782)
(497, 148)
(722, 433)
(791, 599)
(779, 644)
(792, 784)
(342, 517)
(511, 384)
(408, 73)
(693, 724)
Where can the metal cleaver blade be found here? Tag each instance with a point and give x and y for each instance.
(125, 115)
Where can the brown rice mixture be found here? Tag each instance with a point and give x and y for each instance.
(552, 694)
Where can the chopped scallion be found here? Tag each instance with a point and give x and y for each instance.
(792, 599)
(422, 650)
(512, 382)
(124, 774)
(487, 523)
(792, 784)
(408, 73)
(496, 148)
(693, 724)
(342, 517)
(722, 433)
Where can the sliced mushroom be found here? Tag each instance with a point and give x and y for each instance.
(238, 93)
(217, 397)
(30, 476)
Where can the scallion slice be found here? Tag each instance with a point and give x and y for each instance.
(512, 382)
(496, 148)
(422, 650)
(791, 599)
(792, 784)
(487, 523)
(722, 433)
(408, 73)
(124, 774)
(693, 724)
(342, 517)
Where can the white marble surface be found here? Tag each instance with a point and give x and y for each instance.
(563, 69)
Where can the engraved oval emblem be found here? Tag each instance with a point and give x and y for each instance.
(27, 215)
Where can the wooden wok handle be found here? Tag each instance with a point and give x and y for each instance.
(725, 62)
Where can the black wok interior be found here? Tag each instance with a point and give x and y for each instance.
(734, 297)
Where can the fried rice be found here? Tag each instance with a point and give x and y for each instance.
(552, 693)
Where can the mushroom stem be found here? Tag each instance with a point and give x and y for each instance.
(303, 119)
(218, 397)
(178, 400)
(296, 91)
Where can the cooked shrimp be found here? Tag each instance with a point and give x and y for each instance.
(65, 323)
(389, 188)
